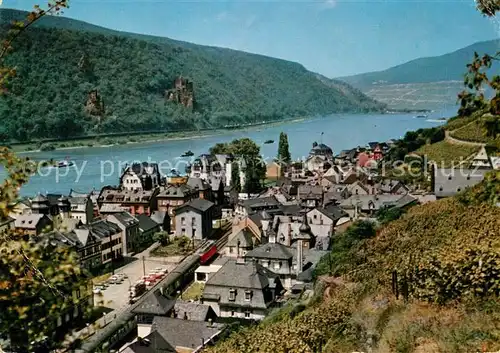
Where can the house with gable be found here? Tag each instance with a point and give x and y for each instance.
(360, 188)
(82, 208)
(276, 257)
(240, 243)
(310, 196)
(194, 219)
(242, 289)
(140, 176)
(87, 246)
(33, 224)
(391, 186)
(130, 228)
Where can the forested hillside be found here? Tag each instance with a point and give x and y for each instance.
(61, 60)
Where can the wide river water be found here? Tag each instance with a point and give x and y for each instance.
(96, 167)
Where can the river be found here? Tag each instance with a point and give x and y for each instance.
(99, 166)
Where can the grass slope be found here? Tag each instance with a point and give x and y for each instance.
(132, 72)
(447, 154)
(450, 252)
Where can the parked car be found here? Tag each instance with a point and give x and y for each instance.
(161, 270)
(97, 290)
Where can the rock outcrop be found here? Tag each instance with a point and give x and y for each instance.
(94, 105)
(181, 93)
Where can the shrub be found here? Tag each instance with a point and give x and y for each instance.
(47, 147)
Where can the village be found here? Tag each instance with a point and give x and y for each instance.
(178, 259)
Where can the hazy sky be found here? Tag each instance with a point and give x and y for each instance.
(332, 37)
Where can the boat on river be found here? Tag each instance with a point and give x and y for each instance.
(187, 154)
(269, 141)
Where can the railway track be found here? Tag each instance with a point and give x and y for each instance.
(222, 241)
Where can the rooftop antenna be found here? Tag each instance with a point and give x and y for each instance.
(321, 138)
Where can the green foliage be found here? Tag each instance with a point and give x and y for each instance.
(447, 154)
(48, 95)
(344, 246)
(161, 237)
(386, 215)
(284, 156)
(485, 129)
(235, 176)
(47, 147)
(487, 192)
(413, 140)
(307, 332)
(247, 154)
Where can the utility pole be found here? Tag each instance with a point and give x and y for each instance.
(144, 265)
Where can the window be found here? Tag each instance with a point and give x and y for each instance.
(247, 314)
(232, 294)
(248, 295)
(277, 265)
(193, 221)
(315, 216)
(232, 312)
(183, 231)
(231, 250)
(183, 221)
(265, 263)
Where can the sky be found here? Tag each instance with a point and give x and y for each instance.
(332, 37)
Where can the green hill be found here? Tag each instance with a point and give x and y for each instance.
(431, 82)
(445, 256)
(131, 73)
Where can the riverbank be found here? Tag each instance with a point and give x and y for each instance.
(110, 140)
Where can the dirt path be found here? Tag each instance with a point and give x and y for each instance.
(453, 140)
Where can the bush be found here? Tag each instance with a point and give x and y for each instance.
(162, 237)
(47, 147)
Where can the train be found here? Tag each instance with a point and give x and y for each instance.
(208, 251)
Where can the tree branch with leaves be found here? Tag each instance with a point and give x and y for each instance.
(38, 278)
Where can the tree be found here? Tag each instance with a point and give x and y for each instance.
(235, 176)
(284, 156)
(220, 194)
(166, 223)
(247, 153)
(37, 278)
(161, 237)
(472, 99)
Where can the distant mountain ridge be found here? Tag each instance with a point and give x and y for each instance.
(424, 83)
(61, 60)
(447, 67)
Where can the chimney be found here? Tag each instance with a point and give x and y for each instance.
(210, 322)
